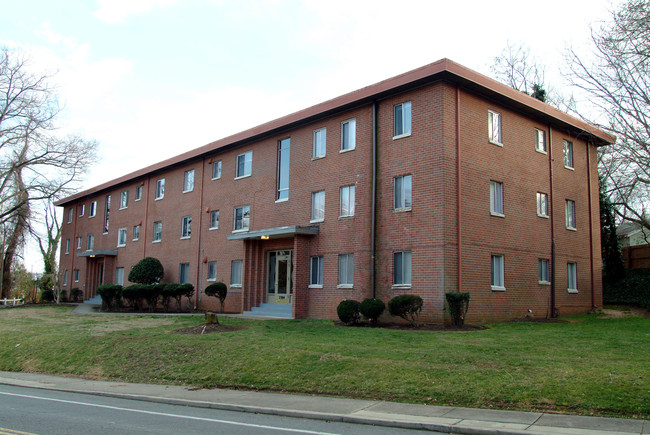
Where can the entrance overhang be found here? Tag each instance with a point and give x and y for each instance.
(275, 233)
(98, 253)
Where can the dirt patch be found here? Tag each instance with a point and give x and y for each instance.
(114, 325)
(625, 312)
(208, 329)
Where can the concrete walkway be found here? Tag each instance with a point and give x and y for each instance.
(439, 418)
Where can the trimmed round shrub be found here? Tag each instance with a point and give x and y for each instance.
(151, 293)
(372, 308)
(218, 290)
(76, 294)
(186, 290)
(149, 270)
(167, 293)
(457, 305)
(134, 295)
(63, 296)
(348, 311)
(110, 294)
(407, 307)
(47, 295)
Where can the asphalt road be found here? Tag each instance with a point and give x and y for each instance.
(35, 411)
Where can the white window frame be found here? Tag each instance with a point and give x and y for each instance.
(124, 199)
(316, 268)
(319, 149)
(188, 181)
(214, 220)
(78, 242)
(495, 128)
(542, 205)
(572, 277)
(283, 171)
(186, 227)
(67, 246)
(212, 271)
(245, 221)
(70, 213)
(570, 214)
(346, 271)
(544, 271)
(405, 119)
(496, 198)
(348, 135)
(157, 232)
(236, 273)
(90, 242)
(404, 202)
(92, 212)
(402, 269)
(184, 273)
(567, 149)
(82, 210)
(65, 277)
(76, 274)
(248, 165)
(497, 272)
(121, 237)
(160, 189)
(317, 206)
(347, 199)
(540, 141)
(138, 192)
(136, 233)
(119, 275)
(216, 170)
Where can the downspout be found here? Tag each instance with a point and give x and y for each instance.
(552, 217)
(373, 220)
(145, 223)
(591, 235)
(459, 214)
(199, 260)
(74, 244)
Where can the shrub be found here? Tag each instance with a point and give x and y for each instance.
(634, 289)
(76, 294)
(149, 270)
(218, 290)
(47, 295)
(186, 290)
(348, 311)
(407, 307)
(63, 296)
(134, 295)
(151, 293)
(457, 305)
(372, 308)
(167, 292)
(110, 294)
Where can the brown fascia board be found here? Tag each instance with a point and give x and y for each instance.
(443, 69)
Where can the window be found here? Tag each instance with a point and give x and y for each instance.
(160, 188)
(568, 154)
(188, 181)
(494, 127)
(346, 270)
(107, 210)
(119, 275)
(78, 242)
(121, 237)
(65, 278)
(67, 246)
(284, 147)
(347, 201)
(212, 271)
(216, 170)
(136, 232)
(157, 231)
(93, 209)
(244, 164)
(90, 244)
(235, 273)
(498, 273)
(496, 198)
(70, 216)
(242, 218)
(316, 272)
(214, 219)
(402, 268)
(570, 214)
(348, 135)
(184, 274)
(82, 209)
(318, 206)
(76, 275)
(320, 143)
(402, 186)
(124, 199)
(572, 277)
(540, 141)
(542, 204)
(543, 271)
(402, 119)
(186, 227)
(138, 193)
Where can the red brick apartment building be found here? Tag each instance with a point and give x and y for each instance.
(437, 180)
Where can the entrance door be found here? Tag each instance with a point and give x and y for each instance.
(280, 282)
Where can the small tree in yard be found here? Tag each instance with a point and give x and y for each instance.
(407, 307)
(149, 270)
(218, 290)
(457, 304)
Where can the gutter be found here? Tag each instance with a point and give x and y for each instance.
(373, 219)
(459, 214)
(552, 217)
(591, 226)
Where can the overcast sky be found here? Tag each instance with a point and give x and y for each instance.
(150, 79)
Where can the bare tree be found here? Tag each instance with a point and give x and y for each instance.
(616, 77)
(48, 245)
(37, 163)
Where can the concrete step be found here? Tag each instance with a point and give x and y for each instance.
(284, 311)
(96, 300)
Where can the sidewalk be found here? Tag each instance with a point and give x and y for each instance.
(439, 418)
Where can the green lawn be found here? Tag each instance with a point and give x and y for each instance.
(590, 365)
